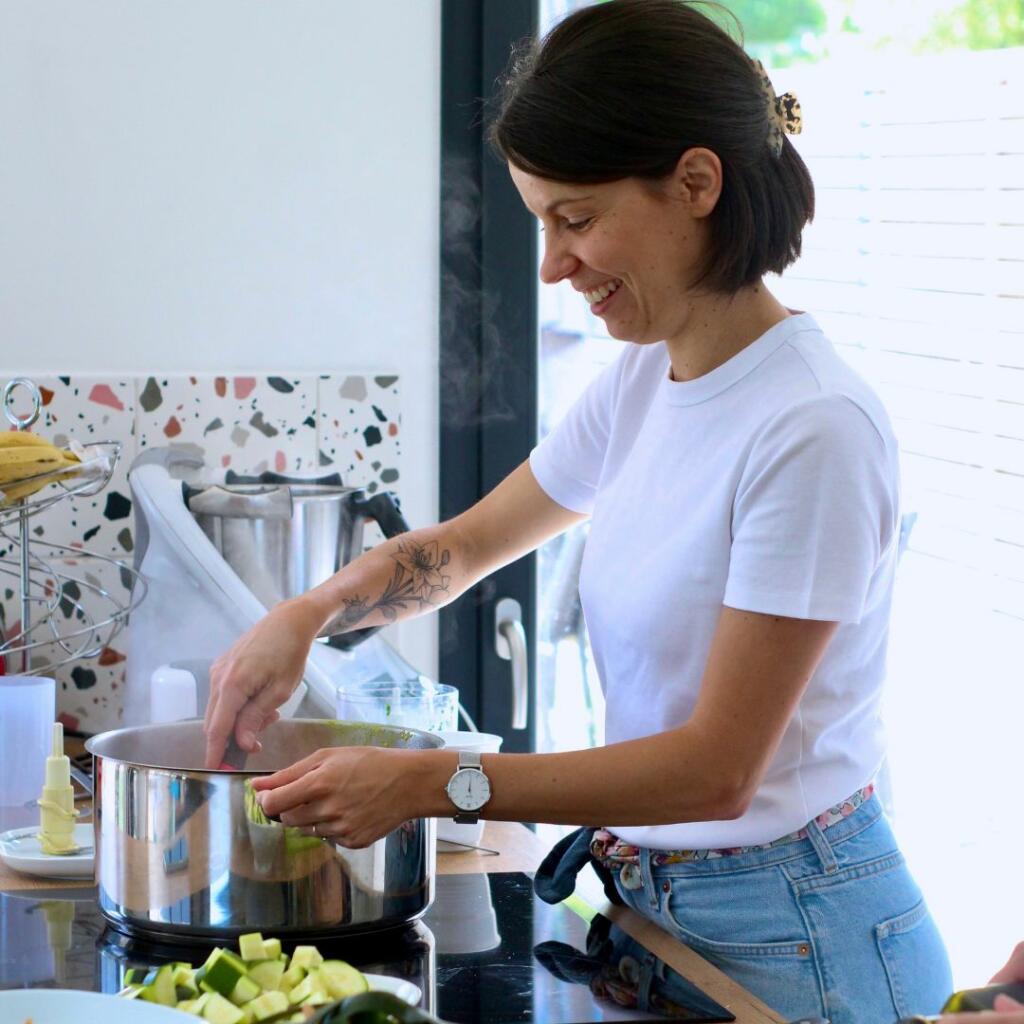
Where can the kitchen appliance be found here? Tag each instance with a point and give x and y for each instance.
(284, 535)
(188, 852)
(199, 603)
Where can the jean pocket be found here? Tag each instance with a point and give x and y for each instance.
(753, 940)
(748, 913)
(915, 961)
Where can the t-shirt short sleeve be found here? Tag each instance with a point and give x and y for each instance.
(567, 463)
(814, 512)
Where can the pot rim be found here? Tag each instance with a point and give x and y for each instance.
(428, 740)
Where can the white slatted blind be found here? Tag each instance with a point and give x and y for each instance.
(915, 267)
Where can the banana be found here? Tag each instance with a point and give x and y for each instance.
(22, 460)
(21, 438)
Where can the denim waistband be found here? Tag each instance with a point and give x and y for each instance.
(815, 839)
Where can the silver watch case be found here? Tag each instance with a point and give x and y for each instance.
(470, 770)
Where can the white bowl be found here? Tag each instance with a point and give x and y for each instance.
(59, 1006)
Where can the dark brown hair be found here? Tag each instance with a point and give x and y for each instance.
(622, 89)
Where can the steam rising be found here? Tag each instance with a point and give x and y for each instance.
(467, 311)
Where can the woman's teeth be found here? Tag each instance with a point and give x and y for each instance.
(601, 293)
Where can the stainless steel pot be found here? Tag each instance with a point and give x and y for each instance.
(283, 537)
(180, 850)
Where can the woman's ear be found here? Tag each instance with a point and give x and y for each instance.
(697, 180)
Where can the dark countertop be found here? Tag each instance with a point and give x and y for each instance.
(487, 951)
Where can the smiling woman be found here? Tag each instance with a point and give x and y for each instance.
(625, 98)
(742, 487)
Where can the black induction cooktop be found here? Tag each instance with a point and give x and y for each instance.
(487, 952)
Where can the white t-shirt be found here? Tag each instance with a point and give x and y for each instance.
(770, 484)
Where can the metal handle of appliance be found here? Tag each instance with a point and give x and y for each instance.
(383, 509)
(510, 645)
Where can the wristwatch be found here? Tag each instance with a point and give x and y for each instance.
(468, 788)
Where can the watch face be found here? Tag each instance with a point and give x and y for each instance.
(469, 789)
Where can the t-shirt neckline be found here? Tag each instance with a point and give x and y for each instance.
(700, 389)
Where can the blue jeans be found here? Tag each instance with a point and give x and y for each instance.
(828, 926)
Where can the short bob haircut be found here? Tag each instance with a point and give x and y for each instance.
(622, 89)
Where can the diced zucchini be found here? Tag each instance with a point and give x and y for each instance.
(268, 974)
(131, 991)
(268, 1005)
(272, 948)
(341, 979)
(136, 976)
(245, 991)
(223, 969)
(292, 976)
(219, 1010)
(301, 992)
(161, 989)
(306, 956)
(195, 1006)
(251, 946)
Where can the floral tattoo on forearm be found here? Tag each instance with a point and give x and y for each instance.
(417, 582)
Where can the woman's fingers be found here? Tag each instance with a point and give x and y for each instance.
(308, 815)
(221, 714)
(287, 789)
(1013, 969)
(1006, 1004)
(254, 716)
(1004, 1011)
(286, 775)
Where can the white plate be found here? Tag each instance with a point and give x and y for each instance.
(19, 849)
(399, 987)
(58, 1006)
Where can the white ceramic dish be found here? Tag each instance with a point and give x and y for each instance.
(58, 1006)
(398, 987)
(19, 849)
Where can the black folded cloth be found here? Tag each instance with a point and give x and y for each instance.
(555, 879)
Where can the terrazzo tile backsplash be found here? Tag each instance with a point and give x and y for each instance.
(295, 424)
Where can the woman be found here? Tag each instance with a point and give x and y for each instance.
(742, 487)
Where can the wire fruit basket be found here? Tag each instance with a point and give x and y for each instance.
(69, 608)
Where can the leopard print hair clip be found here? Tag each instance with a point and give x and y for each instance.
(784, 116)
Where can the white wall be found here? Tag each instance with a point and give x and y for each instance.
(226, 185)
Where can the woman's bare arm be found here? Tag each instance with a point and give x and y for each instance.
(427, 568)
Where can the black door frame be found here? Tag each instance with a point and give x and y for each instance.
(488, 349)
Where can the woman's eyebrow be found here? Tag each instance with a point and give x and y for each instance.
(551, 207)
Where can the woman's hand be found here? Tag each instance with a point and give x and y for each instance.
(254, 677)
(355, 795)
(1005, 1010)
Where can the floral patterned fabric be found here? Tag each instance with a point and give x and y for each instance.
(624, 858)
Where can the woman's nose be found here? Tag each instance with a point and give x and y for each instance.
(557, 264)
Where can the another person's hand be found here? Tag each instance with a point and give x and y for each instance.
(1005, 1009)
(353, 795)
(255, 676)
